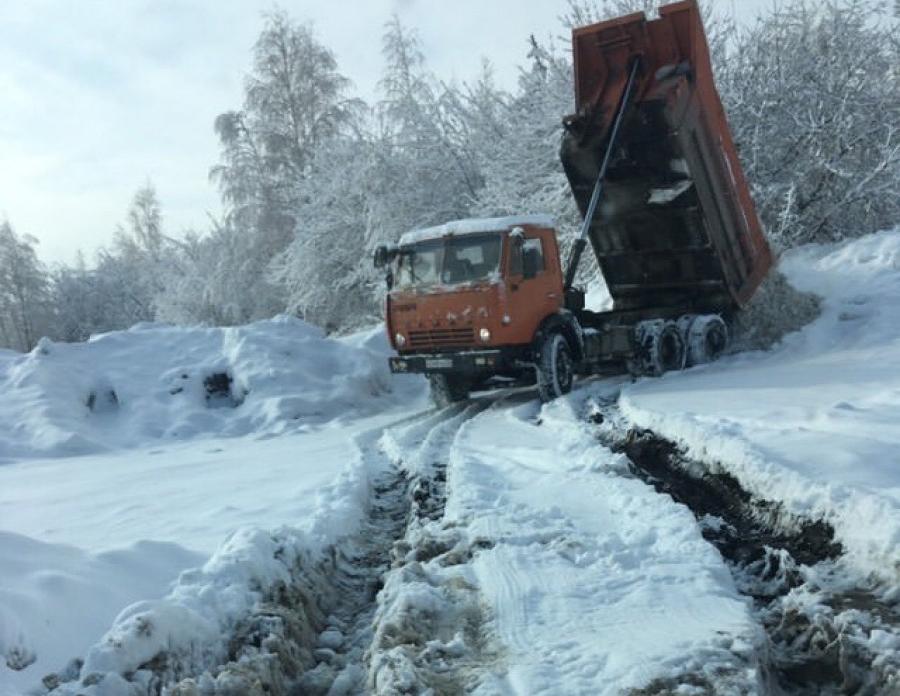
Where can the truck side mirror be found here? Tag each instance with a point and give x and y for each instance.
(381, 256)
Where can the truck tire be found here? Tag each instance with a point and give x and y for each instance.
(448, 389)
(662, 347)
(706, 338)
(555, 368)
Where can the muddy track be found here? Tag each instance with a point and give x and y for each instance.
(391, 609)
(823, 623)
(430, 634)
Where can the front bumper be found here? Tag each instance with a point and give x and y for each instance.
(468, 362)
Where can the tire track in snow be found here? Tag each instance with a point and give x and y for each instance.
(595, 583)
(829, 631)
(430, 632)
(306, 633)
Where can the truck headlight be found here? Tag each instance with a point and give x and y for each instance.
(484, 335)
(399, 340)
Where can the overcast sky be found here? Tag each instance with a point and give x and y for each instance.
(99, 96)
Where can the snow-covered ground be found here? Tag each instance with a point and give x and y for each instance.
(815, 422)
(103, 507)
(532, 559)
(597, 584)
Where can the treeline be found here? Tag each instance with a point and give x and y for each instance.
(313, 178)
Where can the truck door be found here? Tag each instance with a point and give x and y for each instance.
(534, 285)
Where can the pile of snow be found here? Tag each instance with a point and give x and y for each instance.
(53, 595)
(776, 309)
(597, 297)
(109, 504)
(155, 382)
(815, 422)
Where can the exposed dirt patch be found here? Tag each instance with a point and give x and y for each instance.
(829, 632)
(430, 626)
(747, 528)
(221, 391)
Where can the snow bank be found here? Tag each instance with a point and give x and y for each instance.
(170, 468)
(156, 382)
(815, 422)
(51, 595)
(190, 629)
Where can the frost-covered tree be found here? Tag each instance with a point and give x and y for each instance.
(424, 173)
(135, 264)
(219, 279)
(520, 159)
(294, 101)
(415, 168)
(521, 165)
(25, 305)
(326, 271)
(89, 301)
(813, 97)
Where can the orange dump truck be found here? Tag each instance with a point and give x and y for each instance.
(667, 212)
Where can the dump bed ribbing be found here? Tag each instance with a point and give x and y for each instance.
(676, 225)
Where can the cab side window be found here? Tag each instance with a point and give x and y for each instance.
(527, 258)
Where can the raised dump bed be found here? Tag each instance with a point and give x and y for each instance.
(675, 227)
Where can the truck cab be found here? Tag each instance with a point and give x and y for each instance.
(666, 210)
(467, 300)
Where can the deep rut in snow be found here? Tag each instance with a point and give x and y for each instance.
(341, 652)
(823, 628)
(311, 636)
(429, 634)
(391, 611)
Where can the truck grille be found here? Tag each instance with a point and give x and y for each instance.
(441, 338)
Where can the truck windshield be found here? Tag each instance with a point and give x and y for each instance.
(449, 261)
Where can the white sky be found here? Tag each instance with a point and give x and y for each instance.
(98, 96)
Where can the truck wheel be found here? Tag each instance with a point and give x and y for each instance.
(447, 389)
(555, 369)
(661, 347)
(707, 339)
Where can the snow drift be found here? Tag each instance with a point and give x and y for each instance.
(176, 428)
(815, 422)
(156, 382)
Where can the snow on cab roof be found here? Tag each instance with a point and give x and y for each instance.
(475, 225)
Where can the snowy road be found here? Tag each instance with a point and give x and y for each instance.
(644, 538)
(507, 548)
